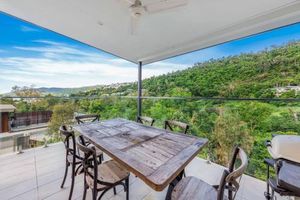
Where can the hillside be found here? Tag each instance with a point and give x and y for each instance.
(256, 75)
(267, 74)
(68, 91)
(56, 91)
(272, 73)
(65, 91)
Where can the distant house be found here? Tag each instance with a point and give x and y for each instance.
(5, 109)
(281, 90)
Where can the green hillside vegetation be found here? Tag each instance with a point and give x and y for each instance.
(246, 75)
(269, 74)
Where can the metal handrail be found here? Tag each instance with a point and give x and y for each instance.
(160, 97)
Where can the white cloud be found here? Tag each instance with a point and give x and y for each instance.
(62, 65)
(120, 61)
(24, 28)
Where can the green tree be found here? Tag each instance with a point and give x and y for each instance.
(229, 131)
(253, 113)
(63, 114)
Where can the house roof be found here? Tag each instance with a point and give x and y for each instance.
(196, 24)
(7, 108)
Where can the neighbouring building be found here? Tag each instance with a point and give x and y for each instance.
(5, 109)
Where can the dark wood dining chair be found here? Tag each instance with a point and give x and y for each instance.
(81, 119)
(172, 125)
(87, 118)
(103, 177)
(192, 188)
(145, 120)
(73, 157)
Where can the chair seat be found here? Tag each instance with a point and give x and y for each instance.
(109, 172)
(192, 188)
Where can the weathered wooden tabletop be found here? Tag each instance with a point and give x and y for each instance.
(155, 155)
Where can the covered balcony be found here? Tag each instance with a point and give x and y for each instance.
(143, 32)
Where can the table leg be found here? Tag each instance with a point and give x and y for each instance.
(173, 184)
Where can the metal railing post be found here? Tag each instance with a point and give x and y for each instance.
(139, 99)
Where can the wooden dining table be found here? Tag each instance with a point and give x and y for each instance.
(157, 156)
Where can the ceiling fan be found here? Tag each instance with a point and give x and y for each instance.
(138, 9)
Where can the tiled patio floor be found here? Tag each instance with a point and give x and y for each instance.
(37, 174)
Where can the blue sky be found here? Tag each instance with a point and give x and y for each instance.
(30, 55)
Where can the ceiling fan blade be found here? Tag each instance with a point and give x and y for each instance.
(164, 5)
(129, 1)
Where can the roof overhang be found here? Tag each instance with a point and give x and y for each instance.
(105, 24)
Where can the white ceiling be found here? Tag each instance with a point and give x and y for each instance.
(105, 24)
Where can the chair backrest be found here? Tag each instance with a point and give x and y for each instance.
(145, 120)
(69, 140)
(87, 118)
(172, 124)
(89, 162)
(230, 178)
